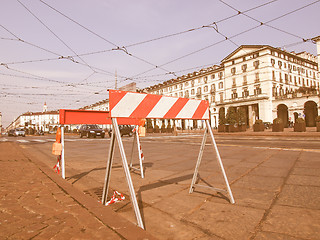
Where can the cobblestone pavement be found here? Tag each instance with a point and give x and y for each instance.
(276, 189)
(36, 204)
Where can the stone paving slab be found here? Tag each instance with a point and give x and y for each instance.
(35, 203)
(276, 191)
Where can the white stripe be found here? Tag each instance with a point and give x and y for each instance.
(162, 107)
(38, 140)
(4, 140)
(189, 109)
(22, 141)
(206, 114)
(127, 105)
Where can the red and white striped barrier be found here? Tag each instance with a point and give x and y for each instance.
(141, 105)
(117, 197)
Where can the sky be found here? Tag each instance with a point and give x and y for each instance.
(66, 53)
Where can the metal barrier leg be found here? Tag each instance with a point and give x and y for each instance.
(134, 138)
(140, 154)
(108, 169)
(220, 162)
(127, 173)
(63, 169)
(196, 170)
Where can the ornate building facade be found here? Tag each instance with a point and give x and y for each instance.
(266, 82)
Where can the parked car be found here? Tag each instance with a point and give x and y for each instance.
(92, 130)
(19, 132)
(124, 130)
(11, 133)
(40, 132)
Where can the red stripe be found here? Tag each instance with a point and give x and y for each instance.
(145, 107)
(114, 97)
(203, 106)
(176, 108)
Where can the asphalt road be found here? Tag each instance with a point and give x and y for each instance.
(275, 180)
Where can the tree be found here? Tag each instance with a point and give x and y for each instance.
(231, 116)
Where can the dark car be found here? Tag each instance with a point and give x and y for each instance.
(124, 130)
(92, 130)
(11, 132)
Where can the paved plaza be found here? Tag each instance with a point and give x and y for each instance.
(276, 189)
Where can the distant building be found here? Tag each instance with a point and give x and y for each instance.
(0, 123)
(47, 121)
(266, 82)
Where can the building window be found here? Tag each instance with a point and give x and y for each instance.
(295, 80)
(245, 80)
(221, 97)
(245, 92)
(234, 94)
(180, 94)
(234, 82)
(220, 85)
(256, 64)
(233, 71)
(280, 76)
(244, 67)
(192, 83)
(199, 91)
(279, 64)
(213, 98)
(286, 78)
(212, 76)
(273, 75)
(192, 91)
(205, 89)
(205, 79)
(255, 55)
(220, 75)
(186, 84)
(257, 90)
(181, 86)
(186, 93)
(213, 88)
(257, 79)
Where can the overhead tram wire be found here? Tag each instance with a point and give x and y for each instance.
(198, 28)
(168, 72)
(70, 58)
(53, 33)
(266, 23)
(99, 36)
(231, 37)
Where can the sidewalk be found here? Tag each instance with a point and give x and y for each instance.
(310, 132)
(35, 203)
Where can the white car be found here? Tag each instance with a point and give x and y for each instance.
(19, 132)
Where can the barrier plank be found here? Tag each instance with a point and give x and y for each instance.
(76, 116)
(142, 105)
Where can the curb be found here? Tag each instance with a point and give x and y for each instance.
(107, 216)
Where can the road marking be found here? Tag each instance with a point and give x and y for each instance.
(39, 140)
(22, 141)
(4, 140)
